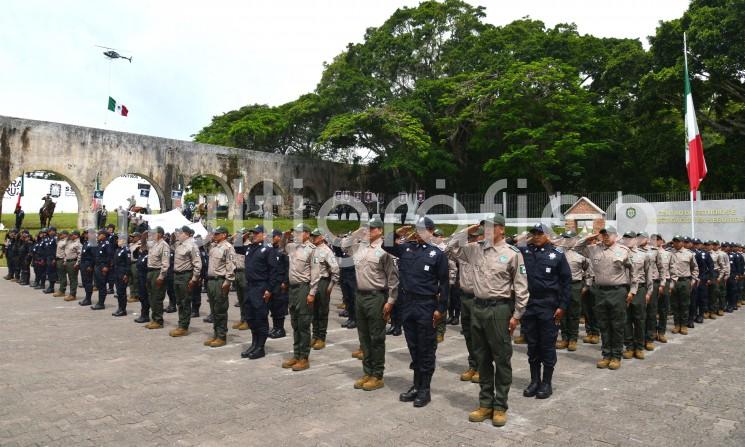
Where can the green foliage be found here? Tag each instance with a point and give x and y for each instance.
(436, 92)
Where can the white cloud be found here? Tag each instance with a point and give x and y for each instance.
(193, 60)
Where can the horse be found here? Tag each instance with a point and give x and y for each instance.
(138, 209)
(46, 212)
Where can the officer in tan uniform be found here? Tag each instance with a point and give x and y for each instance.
(72, 252)
(641, 287)
(187, 267)
(718, 288)
(611, 265)
(303, 278)
(655, 267)
(158, 261)
(663, 301)
(377, 290)
(220, 274)
(579, 266)
(59, 259)
(324, 260)
(501, 295)
(683, 276)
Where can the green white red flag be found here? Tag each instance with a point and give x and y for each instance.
(695, 162)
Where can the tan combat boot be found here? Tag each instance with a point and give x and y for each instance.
(480, 414)
(218, 343)
(178, 332)
(468, 375)
(712, 315)
(301, 365)
(289, 363)
(358, 384)
(209, 341)
(154, 325)
(661, 338)
(639, 354)
(675, 330)
(649, 346)
(373, 384)
(519, 340)
(133, 299)
(70, 298)
(58, 294)
(587, 339)
(319, 344)
(572, 345)
(499, 418)
(476, 378)
(683, 330)
(359, 355)
(614, 364)
(603, 363)
(562, 344)
(720, 313)
(628, 354)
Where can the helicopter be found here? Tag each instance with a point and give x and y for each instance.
(112, 54)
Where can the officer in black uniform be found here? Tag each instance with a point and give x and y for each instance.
(50, 262)
(280, 302)
(700, 293)
(348, 285)
(262, 282)
(112, 238)
(550, 287)
(424, 279)
(141, 253)
(40, 262)
(103, 265)
(9, 248)
(86, 264)
(121, 276)
(24, 258)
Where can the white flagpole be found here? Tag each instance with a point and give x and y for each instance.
(693, 215)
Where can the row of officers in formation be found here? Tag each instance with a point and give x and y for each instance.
(622, 286)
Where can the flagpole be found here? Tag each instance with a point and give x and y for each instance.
(692, 193)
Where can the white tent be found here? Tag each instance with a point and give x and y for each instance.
(172, 220)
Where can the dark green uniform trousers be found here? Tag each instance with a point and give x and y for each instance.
(218, 299)
(713, 296)
(636, 316)
(650, 324)
(371, 330)
(663, 307)
(240, 291)
(466, 310)
(610, 310)
(492, 345)
(72, 277)
(570, 320)
(301, 315)
(156, 295)
(680, 300)
(183, 297)
(134, 281)
(321, 310)
(62, 273)
(588, 310)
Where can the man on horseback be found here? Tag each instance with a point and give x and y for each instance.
(46, 212)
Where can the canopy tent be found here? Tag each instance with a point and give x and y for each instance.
(172, 220)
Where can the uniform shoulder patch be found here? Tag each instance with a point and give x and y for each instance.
(559, 250)
(513, 248)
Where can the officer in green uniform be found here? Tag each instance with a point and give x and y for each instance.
(187, 267)
(683, 276)
(640, 287)
(158, 261)
(324, 260)
(578, 265)
(220, 274)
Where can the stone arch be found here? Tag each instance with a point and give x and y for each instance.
(255, 201)
(80, 192)
(158, 189)
(221, 182)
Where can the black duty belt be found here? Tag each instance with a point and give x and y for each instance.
(71, 260)
(60, 259)
(153, 270)
(657, 281)
(240, 270)
(216, 277)
(295, 286)
(610, 287)
(369, 292)
(184, 272)
(489, 303)
(576, 281)
(417, 296)
(684, 278)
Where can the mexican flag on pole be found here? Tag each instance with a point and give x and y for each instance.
(121, 109)
(695, 161)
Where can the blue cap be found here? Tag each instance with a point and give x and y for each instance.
(276, 233)
(257, 229)
(425, 222)
(540, 228)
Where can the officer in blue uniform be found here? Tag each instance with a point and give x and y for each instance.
(103, 265)
(112, 238)
(424, 279)
(86, 266)
(40, 269)
(550, 287)
(736, 269)
(348, 278)
(262, 282)
(121, 276)
(141, 266)
(700, 294)
(280, 302)
(50, 250)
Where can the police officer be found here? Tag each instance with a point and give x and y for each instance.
(348, 280)
(187, 269)
(640, 286)
(550, 287)
(50, 260)
(302, 278)
(663, 302)
(377, 279)
(85, 263)
(578, 265)
(683, 276)
(501, 296)
(279, 303)
(103, 264)
(611, 266)
(196, 291)
(9, 248)
(241, 240)
(68, 271)
(734, 268)
(158, 262)
(39, 259)
(134, 278)
(423, 276)
(59, 263)
(706, 277)
(263, 279)
(24, 258)
(121, 275)
(655, 268)
(142, 271)
(112, 238)
(328, 271)
(220, 275)
(721, 261)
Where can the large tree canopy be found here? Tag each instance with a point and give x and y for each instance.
(436, 92)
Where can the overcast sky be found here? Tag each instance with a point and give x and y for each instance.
(196, 59)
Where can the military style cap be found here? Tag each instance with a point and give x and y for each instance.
(75, 233)
(642, 234)
(375, 222)
(302, 228)
(316, 232)
(715, 242)
(495, 219)
(64, 232)
(696, 241)
(568, 234)
(219, 230)
(110, 226)
(276, 233)
(187, 229)
(159, 230)
(610, 229)
(136, 234)
(43, 230)
(425, 222)
(437, 232)
(257, 229)
(687, 239)
(629, 234)
(102, 231)
(540, 228)
(52, 229)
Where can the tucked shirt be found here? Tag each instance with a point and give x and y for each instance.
(499, 270)
(549, 278)
(158, 257)
(423, 270)
(722, 264)
(664, 265)
(186, 257)
(261, 266)
(221, 261)
(324, 261)
(300, 259)
(683, 265)
(374, 268)
(72, 250)
(60, 249)
(578, 265)
(611, 265)
(641, 271)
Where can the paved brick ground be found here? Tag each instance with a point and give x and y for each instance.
(76, 377)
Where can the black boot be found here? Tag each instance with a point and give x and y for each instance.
(49, 289)
(143, 318)
(170, 309)
(456, 320)
(351, 324)
(254, 340)
(410, 395)
(344, 314)
(535, 381)
(544, 391)
(279, 333)
(699, 319)
(389, 331)
(85, 301)
(259, 351)
(422, 396)
(119, 313)
(98, 306)
(690, 324)
(396, 331)
(207, 319)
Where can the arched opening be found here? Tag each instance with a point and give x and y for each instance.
(128, 193)
(264, 198)
(206, 197)
(48, 198)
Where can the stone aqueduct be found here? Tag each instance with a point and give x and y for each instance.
(80, 154)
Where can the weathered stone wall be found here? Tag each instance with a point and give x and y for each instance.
(80, 154)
